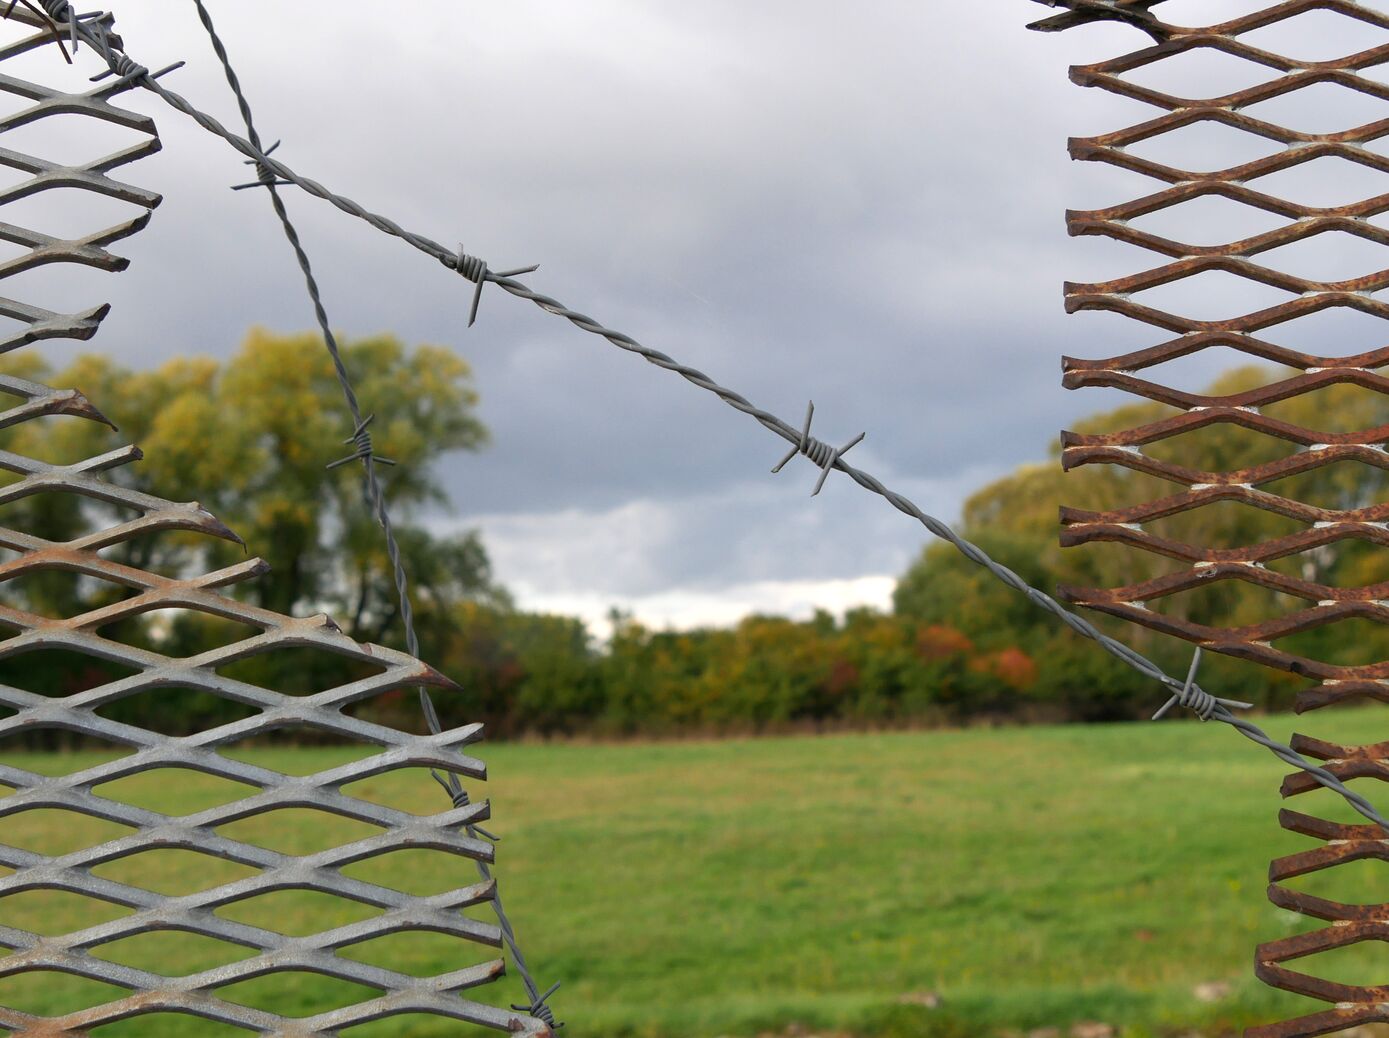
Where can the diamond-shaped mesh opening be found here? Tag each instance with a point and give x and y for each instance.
(396, 708)
(172, 953)
(411, 790)
(1226, 448)
(170, 1025)
(174, 791)
(295, 993)
(1349, 563)
(1209, 220)
(154, 551)
(54, 439)
(298, 831)
(173, 872)
(405, 1025)
(1321, 108)
(1334, 256)
(1324, 803)
(1108, 557)
(312, 750)
(1203, 13)
(1342, 486)
(296, 913)
(299, 669)
(1362, 964)
(1358, 882)
(1223, 524)
(1324, 183)
(1201, 72)
(60, 594)
(53, 831)
(1233, 602)
(55, 141)
(53, 912)
(1207, 371)
(417, 953)
(178, 632)
(1205, 145)
(69, 212)
(1342, 408)
(51, 993)
(1317, 35)
(57, 751)
(176, 711)
(60, 672)
(415, 871)
(1337, 331)
(1353, 642)
(1213, 295)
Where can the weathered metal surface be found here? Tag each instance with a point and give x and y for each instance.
(1289, 963)
(77, 953)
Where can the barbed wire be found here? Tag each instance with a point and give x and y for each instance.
(1188, 691)
(365, 453)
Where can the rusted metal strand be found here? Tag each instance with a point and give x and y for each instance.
(1320, 448)
(476, 270)
(1083, 12)
(330, 710)
(1278, 962)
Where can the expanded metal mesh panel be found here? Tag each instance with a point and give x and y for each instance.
(1282, 203)
(44, 941)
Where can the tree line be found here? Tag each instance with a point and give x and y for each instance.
(248, 438)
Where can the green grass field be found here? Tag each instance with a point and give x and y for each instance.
(1030, 877)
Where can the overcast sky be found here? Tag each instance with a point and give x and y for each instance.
(863, 206)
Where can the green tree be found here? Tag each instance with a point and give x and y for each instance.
(250, 439)
(1016, 520)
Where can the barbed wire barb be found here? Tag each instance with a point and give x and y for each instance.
(818, 451)
(1195, 698)
(475, 270)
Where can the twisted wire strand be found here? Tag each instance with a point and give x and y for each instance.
(361, 439)
(1075, 622)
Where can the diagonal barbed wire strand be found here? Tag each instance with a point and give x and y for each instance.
(121, 65)
(361, 438)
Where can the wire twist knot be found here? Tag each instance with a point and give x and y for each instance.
(476, 271)
(1195, 698)
(361, 438)
(821, 453)
(265, 175)
(540, 1010)
(459, 796)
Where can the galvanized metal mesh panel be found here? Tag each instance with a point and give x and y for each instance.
(78, 952)
(1254, 259)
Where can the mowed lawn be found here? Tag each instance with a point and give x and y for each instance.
(1024, 877)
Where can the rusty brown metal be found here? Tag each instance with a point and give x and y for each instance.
(1288, 963)
(77, 953)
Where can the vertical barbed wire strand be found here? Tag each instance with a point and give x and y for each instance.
(361, 437)
(122, 65)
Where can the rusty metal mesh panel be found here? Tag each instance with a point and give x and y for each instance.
(126, 514)
(1261, 333)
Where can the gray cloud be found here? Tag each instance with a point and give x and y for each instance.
(861, 208)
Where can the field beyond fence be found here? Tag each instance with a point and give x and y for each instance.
(926, 883)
